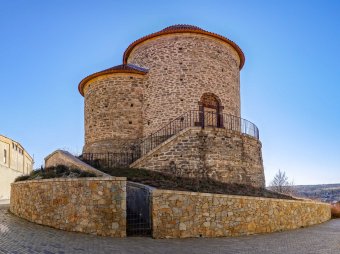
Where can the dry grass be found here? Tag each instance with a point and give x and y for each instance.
(172, 182)
(59, 171)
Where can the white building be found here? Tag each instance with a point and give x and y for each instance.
(14, 162)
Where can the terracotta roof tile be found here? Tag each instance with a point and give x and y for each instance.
(129, 67)
(181, 28)
(123, 68)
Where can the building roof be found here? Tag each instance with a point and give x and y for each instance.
(123, 68)
(3, 138)
(181, 28)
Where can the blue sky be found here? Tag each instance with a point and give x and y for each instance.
(290, 84)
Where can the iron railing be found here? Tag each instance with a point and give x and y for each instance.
(132, 152)
(109, 160)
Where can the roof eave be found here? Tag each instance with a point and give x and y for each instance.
(161, 33)
(97, 74)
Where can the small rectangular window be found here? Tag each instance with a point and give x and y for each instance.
(5, 156)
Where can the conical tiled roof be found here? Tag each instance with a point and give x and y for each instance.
(123, 68)
(127, 67)
(182, 28)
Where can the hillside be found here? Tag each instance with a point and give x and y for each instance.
(323, 192)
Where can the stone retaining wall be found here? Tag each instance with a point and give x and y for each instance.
(178, 214)
(221, 154)
(89, 205)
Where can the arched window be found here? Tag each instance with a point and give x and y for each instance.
(210, 100)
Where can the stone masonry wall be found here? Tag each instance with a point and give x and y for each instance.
(60, 157)
(113, 112)
(89, 205)
(182, 67)
(178, 214)
(221, 154)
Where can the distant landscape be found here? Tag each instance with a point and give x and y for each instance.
(323, 192)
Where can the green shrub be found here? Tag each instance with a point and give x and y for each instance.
(59, 171)
(48, 174)
(21, 178)
(86, 174)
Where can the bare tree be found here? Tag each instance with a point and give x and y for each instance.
(281, 184)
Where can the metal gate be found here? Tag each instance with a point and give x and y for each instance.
(138, 210)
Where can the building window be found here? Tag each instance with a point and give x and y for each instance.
(5, 156)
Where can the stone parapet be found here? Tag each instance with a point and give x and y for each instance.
(90, 205)
(178, 214)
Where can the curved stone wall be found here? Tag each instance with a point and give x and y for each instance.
(98, 206)
(113, 112)
(89, 205)
(179, 214)
(182, 67)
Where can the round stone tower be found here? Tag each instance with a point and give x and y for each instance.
(137, 113)
(113, 108)
(189, 68)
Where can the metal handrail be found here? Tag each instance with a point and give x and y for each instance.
(197, 118)
(192, 118)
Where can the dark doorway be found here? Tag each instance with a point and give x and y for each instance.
(211, 109)
(138, 210)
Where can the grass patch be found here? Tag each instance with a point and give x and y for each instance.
(59, 171)
(171, 182)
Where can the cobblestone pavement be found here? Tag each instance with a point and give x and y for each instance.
(20, 236)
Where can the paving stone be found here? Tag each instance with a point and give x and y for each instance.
(20, 236)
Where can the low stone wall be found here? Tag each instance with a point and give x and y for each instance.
(178, 214)
(60, 157)
(89, 205)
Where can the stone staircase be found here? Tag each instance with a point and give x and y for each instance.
(135, 151)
